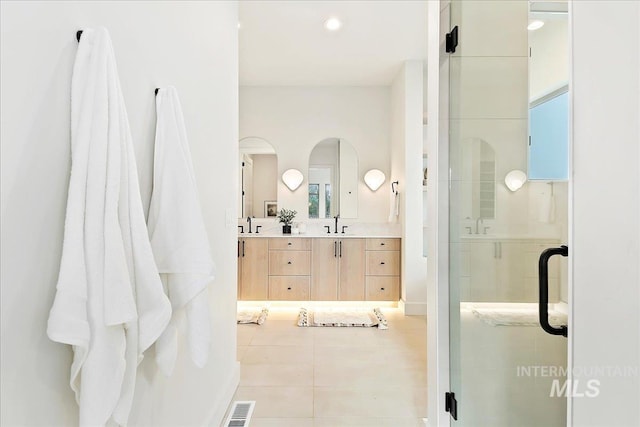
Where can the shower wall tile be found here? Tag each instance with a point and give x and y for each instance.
(489, 88)
(491, 28)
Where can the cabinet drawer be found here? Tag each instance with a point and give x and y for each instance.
(288, 288)
(383, 263)
(290, 244)
(382, 288)
(289, 263)
(383, 244)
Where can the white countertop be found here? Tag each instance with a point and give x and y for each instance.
(527, 237)
(317, 229)
(320, 236)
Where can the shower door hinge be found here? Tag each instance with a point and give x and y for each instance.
(451, 404)
(451, 40)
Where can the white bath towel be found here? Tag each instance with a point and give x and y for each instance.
(109, 303)
(547, 207)
(178, 234)
(394, 206)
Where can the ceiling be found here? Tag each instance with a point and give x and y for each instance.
(284, 43)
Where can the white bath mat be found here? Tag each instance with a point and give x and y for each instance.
(516, 317)
(252, 315)
(342, 318)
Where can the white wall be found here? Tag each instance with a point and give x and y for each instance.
(192, 45)
(606, 208)
(293, 119)
(406, 167)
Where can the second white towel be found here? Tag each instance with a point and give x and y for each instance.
(178, 235)
(394, 206)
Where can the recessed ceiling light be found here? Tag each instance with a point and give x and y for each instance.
(332, 24)
(535, 25)
(239, 25)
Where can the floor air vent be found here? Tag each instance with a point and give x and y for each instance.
(240, 414)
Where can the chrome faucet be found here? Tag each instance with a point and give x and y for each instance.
(336, 218)
(249, 221)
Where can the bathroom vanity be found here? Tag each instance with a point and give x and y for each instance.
(504, 268)
(322, 268)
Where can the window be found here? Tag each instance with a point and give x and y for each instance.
(549, 145)
(314, 200)
(327, 201)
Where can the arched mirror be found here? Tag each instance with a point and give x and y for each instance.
(333, 179)
(258, 169)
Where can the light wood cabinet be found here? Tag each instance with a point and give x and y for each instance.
(253, 269)
(338, 269)
(505, 269)
(289, 288)
(383, 263)
(319, 269)
(383, 270)
(289, 269)
(324, 273)
(289, 263)
(382, 288)
(383, 244)
(351, 258)
(291, 244)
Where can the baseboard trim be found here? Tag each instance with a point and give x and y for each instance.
(413, 308)
(220, 407)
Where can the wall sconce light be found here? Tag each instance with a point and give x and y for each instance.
(374, 179)
(292, 178)
(515, 179)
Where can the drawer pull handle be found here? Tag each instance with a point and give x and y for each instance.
(289, 262)
(382, 244)
(289, 244)
(382, 289)
(382, 263)
(289, 288)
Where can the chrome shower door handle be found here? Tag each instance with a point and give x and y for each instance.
(543, 290)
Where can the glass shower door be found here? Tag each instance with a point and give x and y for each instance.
(505, 370)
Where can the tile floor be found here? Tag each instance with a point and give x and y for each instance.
(333, 377)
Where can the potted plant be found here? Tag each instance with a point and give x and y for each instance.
(286, 216)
